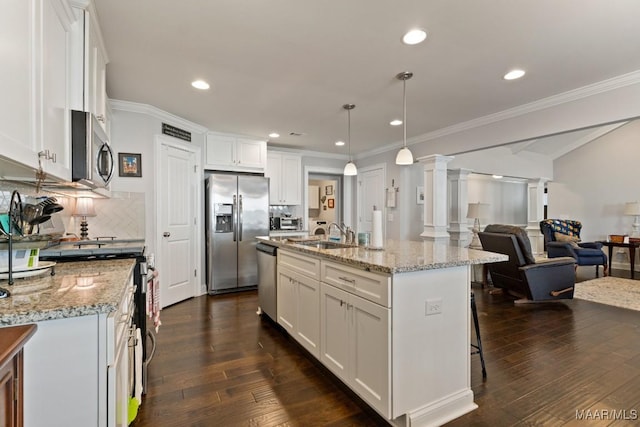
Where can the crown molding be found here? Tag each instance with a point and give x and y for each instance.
(613, 83)
(308, 153)
(150, 110)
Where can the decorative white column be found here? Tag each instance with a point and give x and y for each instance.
(535, 214)
(458, 199)
(435, 197)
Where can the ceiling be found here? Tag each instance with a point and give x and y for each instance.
(288, 66)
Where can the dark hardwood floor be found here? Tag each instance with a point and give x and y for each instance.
(219, 364)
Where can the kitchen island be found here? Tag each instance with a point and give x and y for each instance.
(392, 324)
(76, 365)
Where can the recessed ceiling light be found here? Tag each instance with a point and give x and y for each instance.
(497, 176)
(274, 135)
(514, 74)
(395, 122)
(200, 84)
(339, 143)
(414, 36)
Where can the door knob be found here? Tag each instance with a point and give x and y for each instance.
(166, 234)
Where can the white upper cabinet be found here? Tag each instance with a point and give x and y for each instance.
(18, 71)
(89, 64)
(55, 59)
(285, 173)
(233, 153)
(34, 79)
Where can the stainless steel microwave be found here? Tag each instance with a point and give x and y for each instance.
(91, 156)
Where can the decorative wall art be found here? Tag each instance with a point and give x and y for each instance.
(129, 165)
(330, 202)
(328, 190)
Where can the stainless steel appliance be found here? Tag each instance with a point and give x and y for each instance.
(237, 211)
(267, 296)
(289, 223)
(91, 156)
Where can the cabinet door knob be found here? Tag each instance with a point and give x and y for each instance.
(166, 234)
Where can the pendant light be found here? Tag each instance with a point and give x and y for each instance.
(404, 156)
(350, 168)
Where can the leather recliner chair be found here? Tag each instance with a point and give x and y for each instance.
(522, 276)
(585, 253)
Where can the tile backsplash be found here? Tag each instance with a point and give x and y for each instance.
(121, 216)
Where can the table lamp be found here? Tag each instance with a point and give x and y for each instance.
(633, 209)
(84, 208)
(477, 211)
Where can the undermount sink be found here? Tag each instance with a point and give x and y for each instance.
(324, 244)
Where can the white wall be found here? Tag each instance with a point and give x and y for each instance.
(593, 183)
(507, 199)
(134, 132)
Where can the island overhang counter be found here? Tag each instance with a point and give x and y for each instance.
(392, 324)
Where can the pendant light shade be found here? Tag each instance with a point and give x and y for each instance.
(350, 168)
(404, 157)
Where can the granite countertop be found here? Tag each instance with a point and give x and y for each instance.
(398, 256)
(100, 289)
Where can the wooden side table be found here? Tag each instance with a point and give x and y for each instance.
(12, 339)
(632, 252)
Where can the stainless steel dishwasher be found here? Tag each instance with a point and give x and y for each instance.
(267, 279)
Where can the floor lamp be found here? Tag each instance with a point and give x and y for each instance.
(476, 211)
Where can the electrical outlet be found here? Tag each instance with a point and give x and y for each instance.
(433, 306)
(390, 217)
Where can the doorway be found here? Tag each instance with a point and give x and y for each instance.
(327, 199)
(325, 202)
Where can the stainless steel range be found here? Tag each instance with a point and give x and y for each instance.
(93, 249)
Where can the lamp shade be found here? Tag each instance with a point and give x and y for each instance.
(84, 207)
(632, 208)
(350, 169)
(478, 210)
(404, 157)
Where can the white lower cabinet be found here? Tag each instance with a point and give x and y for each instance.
(77, 370)
(299, 308)
(355, 344)
(373, 333)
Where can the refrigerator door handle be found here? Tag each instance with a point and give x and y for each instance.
(240, 219)
(233, 218)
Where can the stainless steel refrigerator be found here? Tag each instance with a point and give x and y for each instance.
(237, 210)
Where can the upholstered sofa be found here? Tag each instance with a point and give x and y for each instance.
(562, 239)
(522, 276)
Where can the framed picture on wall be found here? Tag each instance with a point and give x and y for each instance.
(130, 164)
(328, 190)
(330, 202)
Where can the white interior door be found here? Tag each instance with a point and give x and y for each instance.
(177, 198)
(371, 189)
